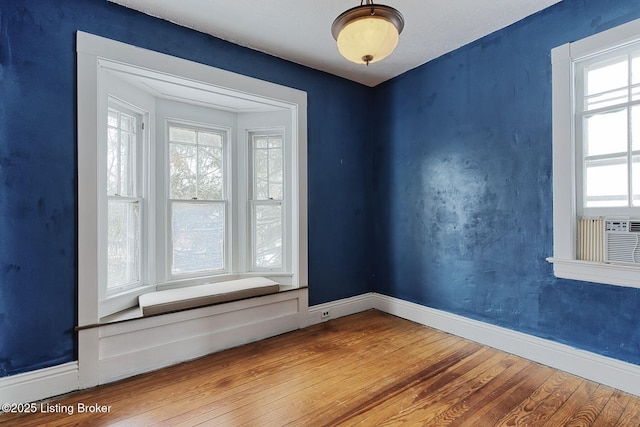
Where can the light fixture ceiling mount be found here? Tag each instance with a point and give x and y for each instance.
(367, 33)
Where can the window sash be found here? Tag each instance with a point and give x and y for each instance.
(267, 178)
(124, 202)
(610, 100)
(267, 239)
(197, 238)
(124, 244)
(122, 150)
(267, 200)
(202, 158)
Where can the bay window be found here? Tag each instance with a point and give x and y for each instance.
(186, 175)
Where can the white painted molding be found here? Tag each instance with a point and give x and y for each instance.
(611, 372)
(40, 384)
(624, 376)
(340, 308)
(596, 272)
(565, 168)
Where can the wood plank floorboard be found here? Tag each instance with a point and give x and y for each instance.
(368, 369)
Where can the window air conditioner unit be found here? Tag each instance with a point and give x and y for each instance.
(622, 241)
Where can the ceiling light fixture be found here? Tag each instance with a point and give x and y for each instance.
(367, 33)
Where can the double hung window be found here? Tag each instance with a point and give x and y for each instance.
(124, 198)
(596, 152)
(607, 111)
(197, 199)
(267, 200)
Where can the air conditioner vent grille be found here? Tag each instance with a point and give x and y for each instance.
(623, 248)
(622, 241)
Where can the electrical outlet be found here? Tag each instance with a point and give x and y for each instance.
(325, 314)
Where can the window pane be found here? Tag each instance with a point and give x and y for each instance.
(268, 168)
(635, 127)
(210, 138)
(112, 118)
(275, 142)
(183, 170)
(197, 167)
(635, 93)
(635, 182)
(209, 173)
(121, 154)
(197, 233)
(182, 135)
(127, 123)
(635, 68)
(260, 174)
(123, 240)
(606, 133)
(268, 236)
(607, 99)
(127, 166)
(606, 183)
(610, 75)
(113, 162)
(275, 174)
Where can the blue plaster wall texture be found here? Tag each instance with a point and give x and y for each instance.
(443, 199)
(464, 157)
(38, 256)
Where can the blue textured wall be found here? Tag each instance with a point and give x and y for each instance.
(38, 259)
(461, 166)
(464, 158)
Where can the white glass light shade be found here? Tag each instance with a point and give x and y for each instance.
(367, 33)
(368, 39)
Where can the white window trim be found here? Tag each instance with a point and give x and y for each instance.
(565, 264)
(90, 49)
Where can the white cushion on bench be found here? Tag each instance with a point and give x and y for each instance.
(201, 295)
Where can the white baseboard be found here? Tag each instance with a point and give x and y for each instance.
(40, 384)
(611, 372)
(339, 308)
(120, 350)
(624, 376)
(604, 370)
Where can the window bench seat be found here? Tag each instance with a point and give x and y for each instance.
(169, 300)
(189, 324)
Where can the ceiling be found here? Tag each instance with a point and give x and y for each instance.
(300, 30)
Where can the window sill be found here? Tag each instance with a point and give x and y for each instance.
(596, 272)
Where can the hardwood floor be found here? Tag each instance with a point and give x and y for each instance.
(369, 369)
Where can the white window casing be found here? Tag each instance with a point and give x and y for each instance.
(567, 188)
(163, 91)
